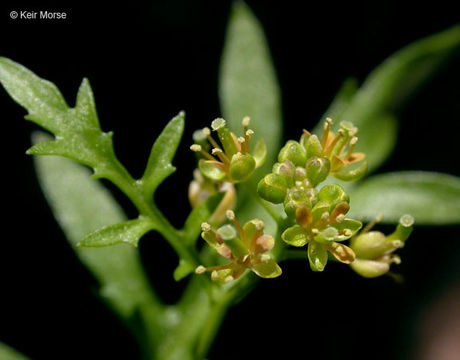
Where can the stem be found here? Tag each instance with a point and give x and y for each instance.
(270, 209)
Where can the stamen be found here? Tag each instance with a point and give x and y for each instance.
(241, 139)
(347, 232)
(228, 279)
(353, 142)
(329, 148)
(247, 137)
(246, 121)
(230, 215)
(265, 257)
(370, 225)
(195, 148)
(200, 269)
(327, 127)
(340, 218)
(205, 227)
(315, 231)
(221, 155)
(206, 131)
(307, 133)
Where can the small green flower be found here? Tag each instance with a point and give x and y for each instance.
(375, 251)
(231, 162)
(338, 149)
(321, 224)
(246, 248)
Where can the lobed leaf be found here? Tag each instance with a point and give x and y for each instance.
(247, 84)
(82, 205)
(431, 198)
(159, 165)
(128, 232)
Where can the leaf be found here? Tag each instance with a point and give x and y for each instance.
(159, 165)
(199, 215)
(77, 130)
(128, 232)
(8, 353)
(248, 85)
(82, 205)
(431, 198)
(182, 270)
(374, 105)
(40, 97)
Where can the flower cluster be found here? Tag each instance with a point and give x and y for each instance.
(231, 162)
(246, 248)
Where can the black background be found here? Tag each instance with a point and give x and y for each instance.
(148, 60)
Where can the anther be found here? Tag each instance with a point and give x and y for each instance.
(205, 227)
(265, 257)
(230, 215)
(340, 218)
(246, 121)
(195, 148)
(200, 269)
(206, 131)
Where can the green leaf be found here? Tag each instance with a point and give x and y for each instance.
(128, 232)
(77, 130)
(8, 353)
(373, 107)
(182, 270)
(40, 97)
(199, 215)
(431, 198)
(248, 85)
(159, 165)
(82, 205)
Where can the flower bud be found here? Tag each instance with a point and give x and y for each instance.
(317, 170)
(273, 188)
(294, 152)
(295, 199)
(286, 169)
(313, 147)
(242, 167)
(333, 194)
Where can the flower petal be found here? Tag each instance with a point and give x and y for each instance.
(347, 228)
(341, 252)
(317, 256)
(267, 269)
(295, 236)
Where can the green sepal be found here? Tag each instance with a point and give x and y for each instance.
(295, 236)
(319, 209)
(182, 270)
(253, 227)
(317, 256)
(317, 170)
(242, 167)
(313, 147)
(260, 153)
(333, 194)
(273, 188)
(370, 268)
(267, 269)
(128, 232)
(211, 171)
(352, 175)
(353, 225)
(294, 152)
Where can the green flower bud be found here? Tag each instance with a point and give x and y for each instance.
(333, 194)
(229, 235)
(286, 169)
(317, 170)
(295, 199)
(294, 152)
(242, 166)
(313, 147)
(273, 188)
